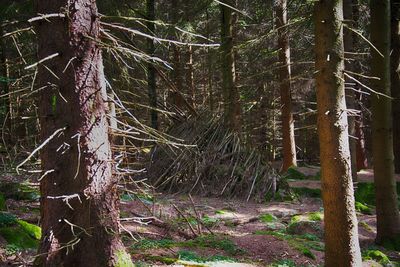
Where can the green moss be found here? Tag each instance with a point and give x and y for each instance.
(376, 255)
(162, 259)
(7, 219)
(268, 218)
(193, 257)
(366, 226)
(315, 216)
(146, 244)
(31, 229)
(208, 221)
(365, 193)
(307, 192)
(221, 212)
(293, 174)
(296, 218)
(2, 202)
(360, 207)
(17, 237)
(284, 263)
(213, 241)
(123, 259)
(303, 243)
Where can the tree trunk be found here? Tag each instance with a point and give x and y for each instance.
(232, 109)
(341, 231)
(288, 140)
(190, 77)
(176, 51)
(348, 39)
(361, 151)
(395, 78)
(79, 207)
(5, 89)
(151, 72)
(387, 212)
(210, 70)
(362, 162)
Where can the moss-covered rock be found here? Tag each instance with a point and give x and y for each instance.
(376, 255)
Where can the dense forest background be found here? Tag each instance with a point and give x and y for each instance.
(276, 119)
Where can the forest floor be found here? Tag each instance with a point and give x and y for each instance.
(178, 230)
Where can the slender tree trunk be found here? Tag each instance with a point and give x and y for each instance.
(190, 77)
(288, 140)
(79, 208)
(176, 51)
(341, 231)
(395, 78)
(210, 70)
(361, 151)
(351, 96)
(5, 89)
(232, 109)
(151, 72)
(362, 162)
(387, 212)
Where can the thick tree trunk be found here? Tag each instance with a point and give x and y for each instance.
(79, 194)
(151, 72)
(387, 212)
(395, 78)
(288, 139)
(232, 109)
(350, 94)
(341, 231)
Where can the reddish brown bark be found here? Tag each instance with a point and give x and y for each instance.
(79, 196)
(395, 78)
(341, 230)
(232, 109)
(288, 140)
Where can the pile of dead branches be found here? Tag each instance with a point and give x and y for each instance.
(213, 162)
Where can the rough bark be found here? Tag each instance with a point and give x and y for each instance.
(348, 38)
(190, 77)
(151, 72)
(79, 207)
(361, 151)
(5, 89)
(341, 231)
(232, 109)
(387, 212)
(395, 78)
(176, 51)
(288, 139)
